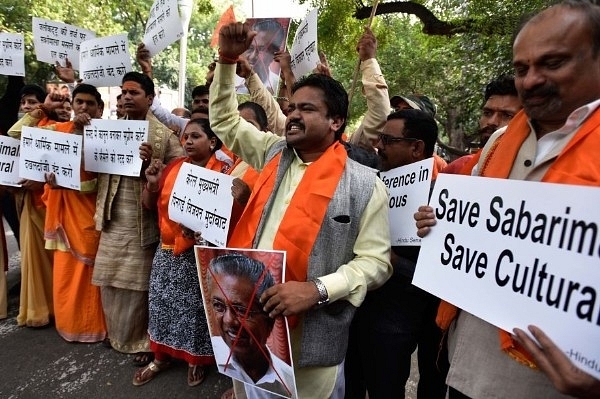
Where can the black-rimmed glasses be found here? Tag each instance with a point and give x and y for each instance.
(386, 139)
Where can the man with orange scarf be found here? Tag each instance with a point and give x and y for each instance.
(326, 211)
(556, 56)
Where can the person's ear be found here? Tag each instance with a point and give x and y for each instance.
(336, 123)
(418, 149)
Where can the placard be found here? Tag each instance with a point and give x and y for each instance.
(105, 60)
(201, 200)
(12, 54)
(44, 151)
(112, 146)
(163, 27)
(9, 161)
(408, 188)
(516, 253)
(57, 41)
(304, 51)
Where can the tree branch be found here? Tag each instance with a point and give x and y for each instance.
(433, 26)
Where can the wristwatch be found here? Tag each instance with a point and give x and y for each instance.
(323, 295)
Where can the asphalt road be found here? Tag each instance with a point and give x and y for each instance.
(38, 363)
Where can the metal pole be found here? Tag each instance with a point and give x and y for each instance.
(185, 13)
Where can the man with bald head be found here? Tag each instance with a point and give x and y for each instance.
(556, 59)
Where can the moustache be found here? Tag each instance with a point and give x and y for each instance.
(543, 91)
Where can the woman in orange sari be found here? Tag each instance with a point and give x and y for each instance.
(177, 324)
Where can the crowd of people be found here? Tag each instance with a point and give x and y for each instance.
(106, 264)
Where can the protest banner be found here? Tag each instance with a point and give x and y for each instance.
(163, 26)
(9, 161)
(515, 253)
(112, 146)
(408, 187)
(232, 280)
(201, 200)
(44, 151)
(304, 47)
(105, 60)
(57, 41)
(271, 37)
(12, 54)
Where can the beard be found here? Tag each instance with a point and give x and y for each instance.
(485, 133)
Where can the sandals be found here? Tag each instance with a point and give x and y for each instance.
(195, 375)
(145, 374)
(228, 394)
(143, 358)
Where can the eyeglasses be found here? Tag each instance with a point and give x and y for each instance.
(221, 307)
(386, 139)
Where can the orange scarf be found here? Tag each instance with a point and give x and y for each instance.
(576, 164)
(302, 220)
(170, 232)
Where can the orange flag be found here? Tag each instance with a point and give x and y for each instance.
(227, 18)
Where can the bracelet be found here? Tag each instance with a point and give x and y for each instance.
(227, 59)
(148, 189)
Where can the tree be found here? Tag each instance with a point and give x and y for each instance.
(445, 49)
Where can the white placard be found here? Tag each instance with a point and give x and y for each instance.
(163, 26)
(57, 41)
(112, 146)
(201, 200)
(9, 161)
(44, 151)
(12, 54)
(105, 60)
(408, 188)
(304, 48)
(516, 253)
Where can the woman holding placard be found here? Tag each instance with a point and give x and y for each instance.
(177, 323)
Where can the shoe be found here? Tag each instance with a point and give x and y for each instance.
(143, 358)
(196, 375)
(145, 374)
(228, 394)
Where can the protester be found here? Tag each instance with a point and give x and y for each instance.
(501, 104)
(397, 317)
(129, 233)
(235, 283)
(322, 290)
(177, 325)
(70, 231)
(35, 302)
(556, 59)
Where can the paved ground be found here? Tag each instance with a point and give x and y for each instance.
(37, 363)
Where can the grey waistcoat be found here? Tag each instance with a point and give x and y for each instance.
(325, 330)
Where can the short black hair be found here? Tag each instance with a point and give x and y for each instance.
(259, 113)
(419, 125)
(88, 89)
(503, 85)
(144, 81)
(201, 90)
(205, 125)
(36, 90)
(334, 94)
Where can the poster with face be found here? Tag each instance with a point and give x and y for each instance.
(271, 36)
(248, 345)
